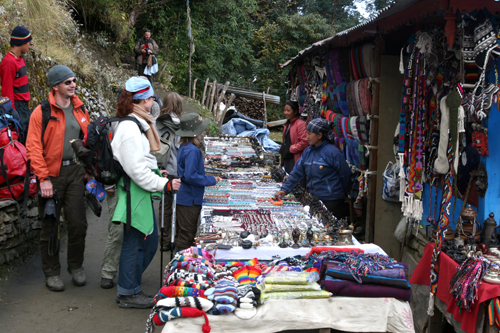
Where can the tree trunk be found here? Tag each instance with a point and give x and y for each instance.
(217, 106)
(221, 119)
(194, 89)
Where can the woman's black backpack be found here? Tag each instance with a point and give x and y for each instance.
(107, 170)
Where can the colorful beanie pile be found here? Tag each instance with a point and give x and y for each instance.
(224, 295)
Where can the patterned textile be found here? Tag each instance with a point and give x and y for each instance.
(341, 94)
(365, 96)
(444, 221)
(344, 64)
(333, 68)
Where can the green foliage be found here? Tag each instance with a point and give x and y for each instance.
(281, 40)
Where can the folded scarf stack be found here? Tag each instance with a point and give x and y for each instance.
(291, 285)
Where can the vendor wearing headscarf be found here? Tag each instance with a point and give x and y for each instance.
(324, 167)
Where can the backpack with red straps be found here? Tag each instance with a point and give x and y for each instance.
(16, 177)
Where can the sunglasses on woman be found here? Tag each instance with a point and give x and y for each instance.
(68, 82)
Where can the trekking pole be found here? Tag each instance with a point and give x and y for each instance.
(174, 212)
(161, 237)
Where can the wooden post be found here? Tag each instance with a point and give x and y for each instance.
(219, 100)
(223, 114)
(194, 89)
(190, 55)
(372, 179)
(211, 85)
(204, 92)
(161, 72)
(265, 109)
(214, 88)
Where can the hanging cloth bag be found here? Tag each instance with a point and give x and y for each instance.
(390, 189)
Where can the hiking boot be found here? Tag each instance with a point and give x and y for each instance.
(107, 283)
(54, 283)
(78, 276)
(141, 293)
(137, 301)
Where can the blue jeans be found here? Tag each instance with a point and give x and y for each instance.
(137, 253)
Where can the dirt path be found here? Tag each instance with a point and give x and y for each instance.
(26, 305)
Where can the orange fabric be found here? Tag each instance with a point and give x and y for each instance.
(298, 136)
(50, 164)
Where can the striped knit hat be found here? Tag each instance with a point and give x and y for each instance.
(20, 36)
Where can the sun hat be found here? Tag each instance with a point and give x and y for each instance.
(192, 125)
(141, 88)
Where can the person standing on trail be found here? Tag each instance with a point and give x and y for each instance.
(13, 76)
(144, 49)
(52, 159)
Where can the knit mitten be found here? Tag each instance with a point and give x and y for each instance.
(224, 299)
(182, 283)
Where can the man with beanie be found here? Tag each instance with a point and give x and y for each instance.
(55, 169)
(13, 77)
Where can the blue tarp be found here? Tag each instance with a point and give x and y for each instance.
(241, 127)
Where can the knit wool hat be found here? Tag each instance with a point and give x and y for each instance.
(20, 36)
(58, 74)
(165, 314)
(192, 125)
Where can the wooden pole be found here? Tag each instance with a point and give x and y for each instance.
(219, 100)
(221, 119)
(212, 96)
(204, 92)
(194, 89)
(190, 55)
(161, 72)
(211, 86)
(372, 179)
(265, 109)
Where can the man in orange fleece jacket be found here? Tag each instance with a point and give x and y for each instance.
(54, 165)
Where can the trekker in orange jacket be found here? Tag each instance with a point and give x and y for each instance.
(55, 169)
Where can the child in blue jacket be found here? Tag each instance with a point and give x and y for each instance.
(191, 170)
(326, 171)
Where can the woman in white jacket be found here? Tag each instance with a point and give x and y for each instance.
(132, 146)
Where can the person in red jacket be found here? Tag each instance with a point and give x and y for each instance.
(55, 168)
(294, 136)
(13, 76)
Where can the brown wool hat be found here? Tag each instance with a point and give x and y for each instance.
(192, 125)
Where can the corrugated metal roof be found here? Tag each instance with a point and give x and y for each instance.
(392, 9)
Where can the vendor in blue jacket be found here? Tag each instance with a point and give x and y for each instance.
(326, 171)
(191, 170)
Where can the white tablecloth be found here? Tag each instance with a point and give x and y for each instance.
(266, 253)
(350, 314)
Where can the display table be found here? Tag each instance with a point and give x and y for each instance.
(350, 314)
(267, 253)
(447, 268)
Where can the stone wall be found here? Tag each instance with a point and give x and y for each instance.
(19, 235)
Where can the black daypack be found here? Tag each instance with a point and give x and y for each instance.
(99, 135)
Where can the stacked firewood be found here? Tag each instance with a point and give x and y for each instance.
(250, 108)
